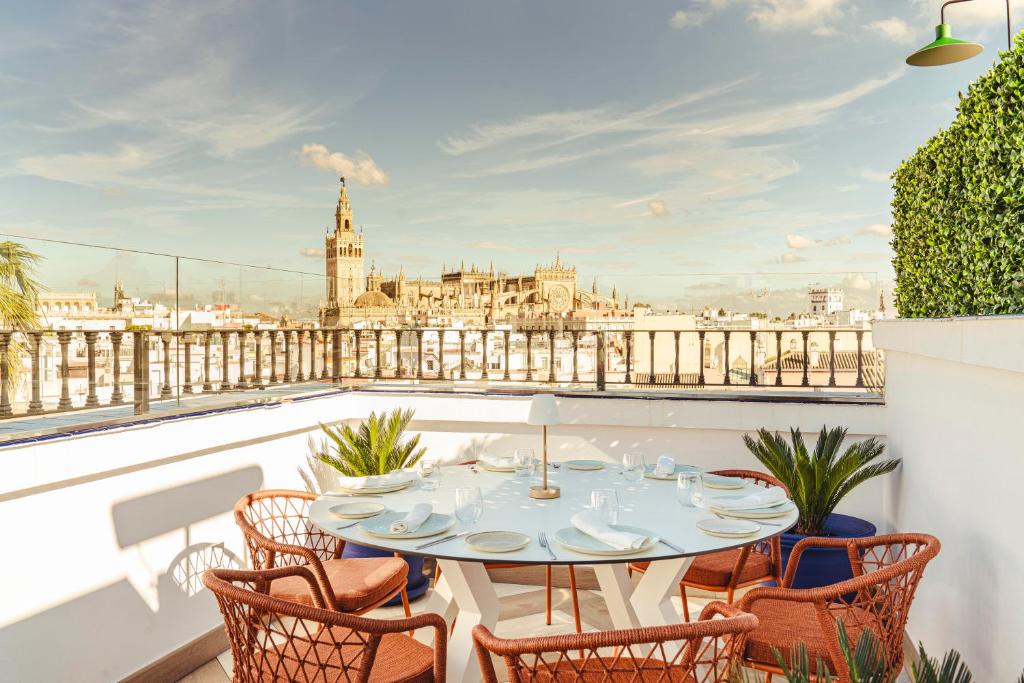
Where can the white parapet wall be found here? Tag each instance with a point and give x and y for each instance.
(954, 409)
(105, 533)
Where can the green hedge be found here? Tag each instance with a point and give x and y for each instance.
(958, 209)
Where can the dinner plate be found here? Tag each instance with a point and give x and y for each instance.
(381, 525)
(497, 541)
(779, 510)
(717, 481)
(495, 468)
(575, 540)
(585, 465)
(389, 488)
(650, 474)
(728, 528)
(356, 510)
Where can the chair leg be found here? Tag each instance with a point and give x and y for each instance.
(437, 573)
(405, 605)
(686, 606)
(768, 677)
(575, 600)
(547, 585)
(728, 594)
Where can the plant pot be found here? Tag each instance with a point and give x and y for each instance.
(418, 583)
(825, 566)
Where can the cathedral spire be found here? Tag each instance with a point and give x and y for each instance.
(343, 212)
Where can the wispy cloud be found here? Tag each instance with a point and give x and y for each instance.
(818, 16)
(312, 252)
(658, 208)
(878, 229)
(361, 168)
(872, 176)
(895, 29)
(794, 241)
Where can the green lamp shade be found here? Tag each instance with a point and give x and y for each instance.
(945, 49)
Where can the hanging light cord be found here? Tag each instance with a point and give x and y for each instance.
(1009, 30)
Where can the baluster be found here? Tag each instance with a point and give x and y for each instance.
(286, 374)
(312, 356)
(700, 357)
(358, 335)
(807, 359)
(273, 356)
(116, 397)
(778, 358)
(462, 354)
(728, 378)
(599, 363)
(64, 338)
(323, 372)
(529, 355)
(551, 357)
(300, 376)
(225, 367)
(650, 336)
(575, 357)
(208, 345)
(376, 363)
(399, 342)
(257, 380)
(508, 340)
(675, 374)
(440, 354)
(831, 358)
(753, 343)
(165, 347)
(6, 410)
(140, 370)
(486, 374)
(860, 358)
(91, 399)
(187, 339)
(35, 405)
(629, 357)
(419, 354)
(336, 355)
(242, 337)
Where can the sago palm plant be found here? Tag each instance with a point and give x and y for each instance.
(19, 292)
(819, 479)
(375, 448)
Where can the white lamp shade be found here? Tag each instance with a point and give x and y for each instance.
(543, 410)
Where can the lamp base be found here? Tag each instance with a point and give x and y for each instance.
(545, 493)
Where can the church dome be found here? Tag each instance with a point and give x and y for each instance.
(373, 299)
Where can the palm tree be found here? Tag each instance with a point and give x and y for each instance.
(376, 448)
(19, 292)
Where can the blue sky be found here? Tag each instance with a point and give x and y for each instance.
(652, 143)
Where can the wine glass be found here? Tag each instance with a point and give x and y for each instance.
(469, 504)
(606, 503)
(429, 473)
(523, 462)
(688, 484)
(633, 467)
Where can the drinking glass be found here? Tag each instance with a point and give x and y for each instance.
(633, 467)
(429, 472)
(469, 504)
(523, 462)
(688, 484)
(606, 503)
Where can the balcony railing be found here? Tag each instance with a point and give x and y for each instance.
(56, 371)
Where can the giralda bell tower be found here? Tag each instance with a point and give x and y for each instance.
(344, 252)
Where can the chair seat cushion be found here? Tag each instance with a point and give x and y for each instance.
(399, 658)
(357, 583)
(606, 670)
(784, 623)
(715, 569)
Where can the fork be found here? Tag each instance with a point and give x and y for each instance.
(345, 526)
(756, 521)
(542, 538)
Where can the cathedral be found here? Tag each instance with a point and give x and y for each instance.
(470, 296)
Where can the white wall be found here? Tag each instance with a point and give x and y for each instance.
(97, 528)
(955, 399)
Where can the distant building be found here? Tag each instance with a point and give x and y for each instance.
(826, 301)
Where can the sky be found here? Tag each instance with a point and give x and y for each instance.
(728, 152)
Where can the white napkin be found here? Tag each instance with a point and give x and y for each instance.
(374, 481)
(590, 523)
(413, 520)
(762, 497)
(666, 466)
(497, 461)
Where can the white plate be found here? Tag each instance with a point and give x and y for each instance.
(717, 481)
(356, 510)
(390, 488)
(585, 465)
(497, 541)
(381, 525)
(649, 472)
(728, 528)
(493, 468)
(779, 510)
(574, 539)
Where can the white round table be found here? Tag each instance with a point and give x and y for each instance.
(465, 588)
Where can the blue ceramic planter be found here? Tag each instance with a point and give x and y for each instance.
(824, 566)
(417, 581)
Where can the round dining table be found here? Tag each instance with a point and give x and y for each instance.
(465, 588)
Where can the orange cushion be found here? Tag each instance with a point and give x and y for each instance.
(357, 583)
(783, 623)
(715, 569)
(399, 658)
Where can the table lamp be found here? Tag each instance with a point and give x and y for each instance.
(544, 412)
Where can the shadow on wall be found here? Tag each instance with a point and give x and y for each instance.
(118, 613)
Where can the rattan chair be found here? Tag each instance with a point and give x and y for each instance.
(725, 571)
(886, 571)
(283, 640)
(278, 533)
(704, 651)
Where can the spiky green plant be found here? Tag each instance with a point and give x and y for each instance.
(865, 661)
(19, 293)
(950, 670)
(818, 480)
(375, 448)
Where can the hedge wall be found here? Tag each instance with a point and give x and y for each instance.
(958, 209)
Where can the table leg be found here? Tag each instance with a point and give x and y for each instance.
(439, 601)
(616, 589)
(650, 603)
(474, 594)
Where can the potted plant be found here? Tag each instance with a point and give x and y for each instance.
(817, 481)
(378, 446)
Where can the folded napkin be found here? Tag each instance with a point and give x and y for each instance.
(666, 466)
(590, 523)
(375, 481)
(413, 520)
(762, 497)
(497, 461)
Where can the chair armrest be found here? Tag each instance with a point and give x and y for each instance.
(805, 544)
(720, 609)
(261, 578)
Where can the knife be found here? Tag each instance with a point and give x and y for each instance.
(673, 546)
(450, 537)
(542, 538)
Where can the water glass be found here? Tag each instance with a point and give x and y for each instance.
(469, 504)
(429, 472)
(523, 462)
(633, 467)
(606, 503)
(688, 484)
